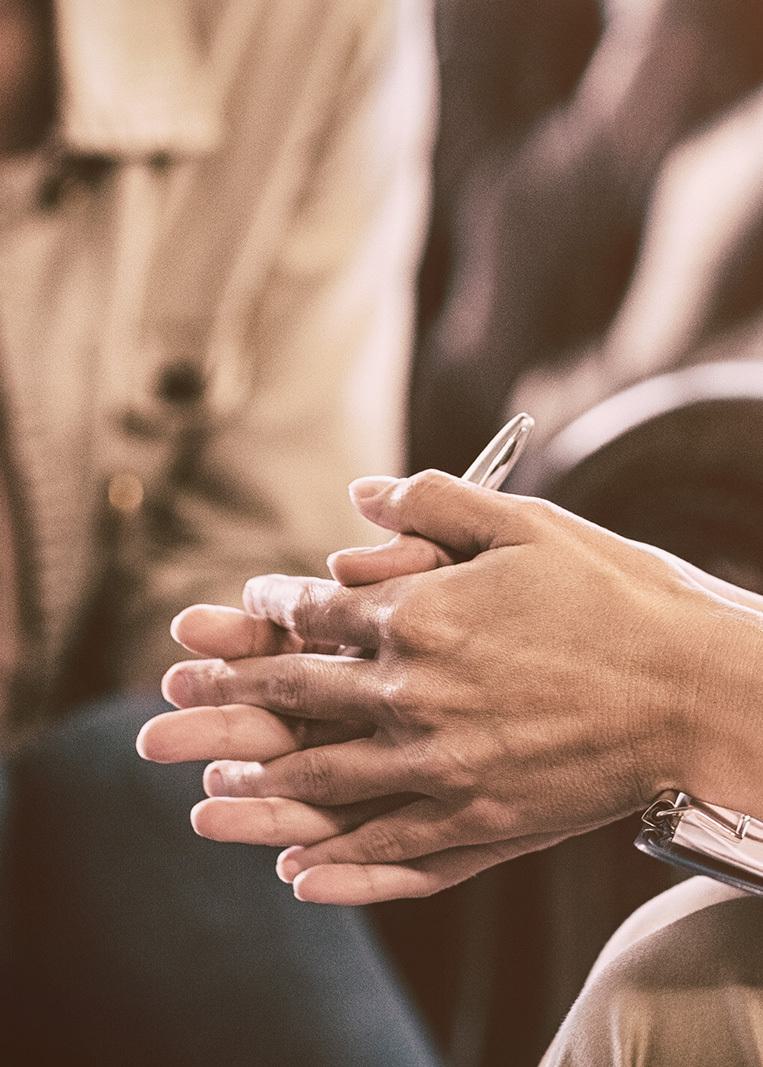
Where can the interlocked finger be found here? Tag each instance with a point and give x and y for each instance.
(317, 609)
(306, 685)
(212, 630)
(276, 821)
(234, 732)
(333, 774)
(403, 554)
(419, 829)
(355, 884)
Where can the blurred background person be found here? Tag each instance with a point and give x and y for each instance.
(208, 251)
(210, 220)
(542, 227)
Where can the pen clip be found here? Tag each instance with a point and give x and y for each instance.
(495, 462)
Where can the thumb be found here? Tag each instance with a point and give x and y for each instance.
(404, 554)
(462, 517)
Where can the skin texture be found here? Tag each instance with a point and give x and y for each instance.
(527, 676)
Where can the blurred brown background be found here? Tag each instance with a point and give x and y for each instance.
(597, 222)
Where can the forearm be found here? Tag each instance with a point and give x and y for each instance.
(710, 583)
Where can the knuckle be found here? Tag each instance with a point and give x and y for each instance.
(380, 842)
(247, 778)
(269, 811)
(226, 725)
(543, 515)
(209, 683)
(421, 486)
(452, 774)
(313, 776)
(486, 816)
(420, 757)
(304, 611)
(406, 626)
(318, 607)
(535, 511)
(284, 689)
(429, 766)
(401, 701)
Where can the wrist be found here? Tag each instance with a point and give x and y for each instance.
(719, 739)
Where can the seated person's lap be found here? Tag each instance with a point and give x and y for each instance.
(134, 941)
(681, 982)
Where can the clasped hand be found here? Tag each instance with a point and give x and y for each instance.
(489, 682)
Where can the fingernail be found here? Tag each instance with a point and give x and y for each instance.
(214, 782)
(297, 887)
(140, 743)
(197, 818)
(288, 870)
(287, 864)
(352, 552)
(171, 684)
(365, 489)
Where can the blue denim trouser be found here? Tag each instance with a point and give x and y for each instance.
(131, 941)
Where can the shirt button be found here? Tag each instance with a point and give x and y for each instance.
(125, 492)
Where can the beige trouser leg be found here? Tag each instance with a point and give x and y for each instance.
(680, 984)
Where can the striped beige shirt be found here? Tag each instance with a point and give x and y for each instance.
(236, 201)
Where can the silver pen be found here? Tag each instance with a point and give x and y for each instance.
(495, 462)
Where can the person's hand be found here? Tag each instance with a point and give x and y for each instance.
(235, 731)
(534, 691)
